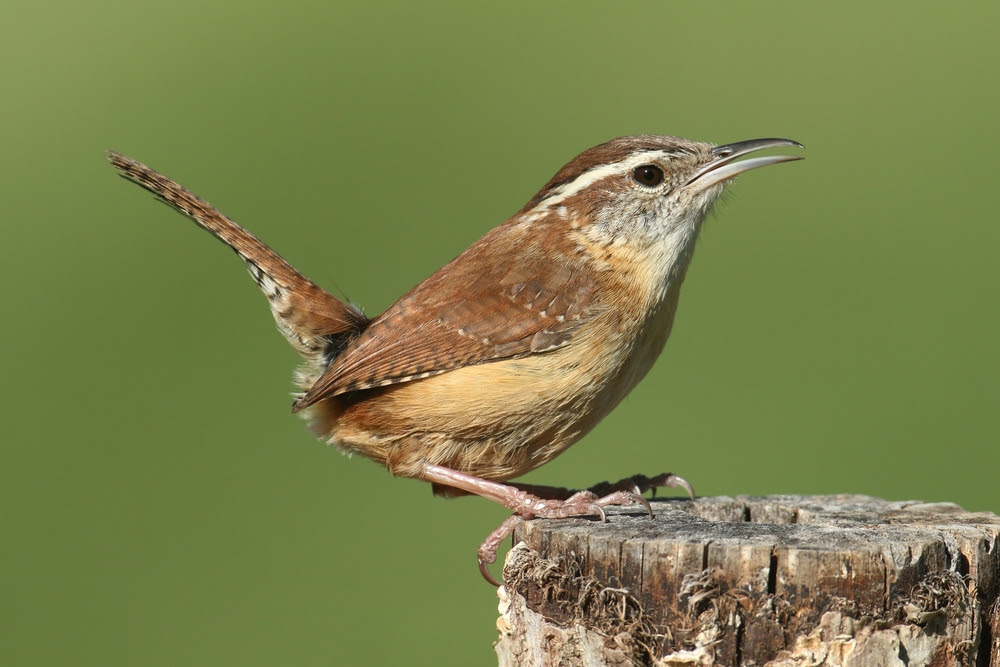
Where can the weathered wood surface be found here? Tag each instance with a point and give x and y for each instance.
(782, 580)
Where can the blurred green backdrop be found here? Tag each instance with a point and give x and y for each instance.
(160, 504)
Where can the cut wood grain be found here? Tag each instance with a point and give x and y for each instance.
(780, 580)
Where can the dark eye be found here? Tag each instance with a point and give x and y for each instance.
(648, 174)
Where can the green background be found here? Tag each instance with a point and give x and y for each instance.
(160, 504)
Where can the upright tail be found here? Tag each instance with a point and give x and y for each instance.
(316, 323)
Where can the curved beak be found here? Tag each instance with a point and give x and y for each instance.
(722, 168)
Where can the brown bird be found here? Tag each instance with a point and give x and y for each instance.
(518, 347)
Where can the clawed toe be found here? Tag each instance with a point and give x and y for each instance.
(587, 503)
(671, 480)
(488, 549)
(484, 567)
(633, 497)
(641, 483)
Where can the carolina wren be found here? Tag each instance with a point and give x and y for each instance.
(518, 347)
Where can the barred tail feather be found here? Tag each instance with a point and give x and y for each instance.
(311, 319)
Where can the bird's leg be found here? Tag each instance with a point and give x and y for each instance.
(526, 505)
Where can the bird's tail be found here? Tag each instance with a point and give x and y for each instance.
(313, 320)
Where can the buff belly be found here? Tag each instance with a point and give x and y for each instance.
(496, 420)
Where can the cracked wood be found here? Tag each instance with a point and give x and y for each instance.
(748, 580)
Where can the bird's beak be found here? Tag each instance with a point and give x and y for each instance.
(722, 168)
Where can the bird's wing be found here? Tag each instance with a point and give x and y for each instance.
(501, 298)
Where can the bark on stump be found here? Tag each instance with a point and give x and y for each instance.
(782, 580)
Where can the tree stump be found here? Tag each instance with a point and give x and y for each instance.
(782, 580)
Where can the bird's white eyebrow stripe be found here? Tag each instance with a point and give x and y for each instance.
(597, 173)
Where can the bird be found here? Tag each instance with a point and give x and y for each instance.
(515, 349)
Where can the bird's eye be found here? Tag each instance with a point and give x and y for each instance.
(648, 174)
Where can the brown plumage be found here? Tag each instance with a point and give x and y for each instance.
(479, 308)
(518, 347)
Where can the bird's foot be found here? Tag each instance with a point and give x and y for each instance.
(527, 505)
(581, 503)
